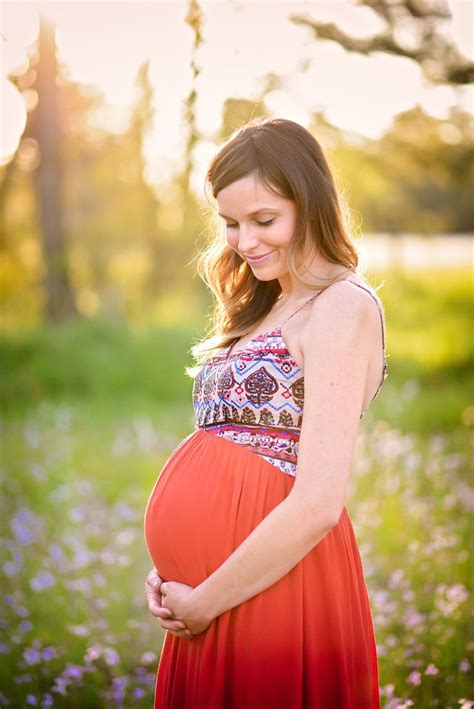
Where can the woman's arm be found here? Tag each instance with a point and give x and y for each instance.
(272, 549)
(337, 342)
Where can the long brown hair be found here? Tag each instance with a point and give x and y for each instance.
(289, 161)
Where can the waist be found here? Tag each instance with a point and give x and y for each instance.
(272, 441)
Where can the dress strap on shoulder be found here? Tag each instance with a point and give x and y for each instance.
(379, 306)
(381, 313)
(301, 307)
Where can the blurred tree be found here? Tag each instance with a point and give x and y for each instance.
(411, 32)
(417, 178)
(46, 128)
(194, 20)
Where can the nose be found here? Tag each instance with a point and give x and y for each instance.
(248, 240)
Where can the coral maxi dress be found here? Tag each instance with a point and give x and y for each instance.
(308, 640)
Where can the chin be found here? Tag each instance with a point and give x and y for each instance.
(265, 276)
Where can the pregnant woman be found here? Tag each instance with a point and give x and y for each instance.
(257, 574)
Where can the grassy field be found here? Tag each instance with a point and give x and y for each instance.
(92, 410)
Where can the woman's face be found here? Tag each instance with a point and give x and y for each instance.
(259, 226)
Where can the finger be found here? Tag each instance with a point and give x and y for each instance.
(172, 624)
(182, 634)
(159, 611)
(155, 601)
(153, 580)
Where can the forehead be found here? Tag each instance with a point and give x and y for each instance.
(248, 196)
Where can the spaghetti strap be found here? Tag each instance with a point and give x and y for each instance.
(301, 307)
(380, 309)
(379, 306)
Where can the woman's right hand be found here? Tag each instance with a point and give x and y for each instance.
(154, 598)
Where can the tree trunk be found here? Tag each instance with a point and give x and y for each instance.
(47, 131)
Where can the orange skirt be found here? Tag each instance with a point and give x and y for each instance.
(307, 641)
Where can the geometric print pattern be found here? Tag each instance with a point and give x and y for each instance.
(255, 396)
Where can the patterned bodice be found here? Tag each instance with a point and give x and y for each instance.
(255, 396)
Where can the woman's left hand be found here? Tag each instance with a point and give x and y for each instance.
(178, 598)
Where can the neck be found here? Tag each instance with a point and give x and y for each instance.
(320, 273)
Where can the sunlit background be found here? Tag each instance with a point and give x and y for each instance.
(110, 113)
(103, 44)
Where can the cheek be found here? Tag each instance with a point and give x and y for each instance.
(232, 241)
(280, 237)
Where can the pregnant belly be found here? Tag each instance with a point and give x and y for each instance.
(210, 495)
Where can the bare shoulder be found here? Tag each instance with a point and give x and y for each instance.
(343, 313)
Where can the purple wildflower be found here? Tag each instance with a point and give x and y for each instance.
(25, 626)
(148, 657)
(43, 580)
(73, 671)
(111, 656)
(92, 653)
(56, 553)
(11, 568)
(49, 653)
(60, 685)
(32, 656)
(25, 526)
(414, 678)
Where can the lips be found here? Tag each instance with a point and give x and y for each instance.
(257, 259)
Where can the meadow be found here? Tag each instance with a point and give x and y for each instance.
(91, 411)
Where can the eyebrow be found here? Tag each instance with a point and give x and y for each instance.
(253, 214)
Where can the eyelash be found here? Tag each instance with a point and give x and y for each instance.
(229, 226)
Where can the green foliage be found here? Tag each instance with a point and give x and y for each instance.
(94, 358)
(417, 178)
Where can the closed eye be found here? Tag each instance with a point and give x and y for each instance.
(270, 221)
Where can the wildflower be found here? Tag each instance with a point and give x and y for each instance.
(93, 653)
(148, 657)
(111, 656)
(25, 626)
(25, 526)
(11, 568)
(414, 678)
(80, 630)
(119, 682)
(431, 670)
(73, 671)
(32, 656)
(60, 685)
(43, 580)
(49, 653)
